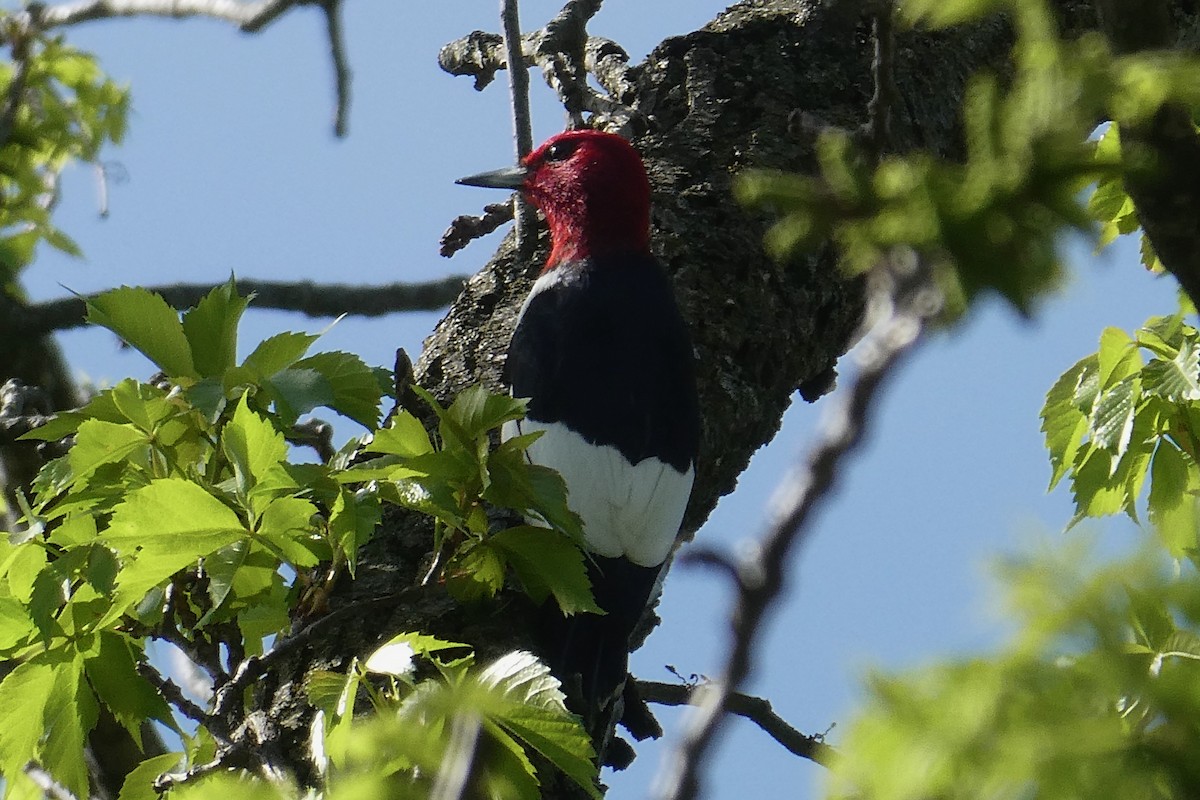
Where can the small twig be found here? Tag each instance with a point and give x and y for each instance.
(706, 557)
(566, 54)
(756, 709)
(45, 781)
(236, 755)
(311, 299)
(318, 435)
(465, 229)
(251, 17)
(518, 90)
(561, 56)
(903, 286)
(253, 668)
(175, 696)
(341, 67)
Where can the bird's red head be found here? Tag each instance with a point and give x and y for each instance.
(592, 188)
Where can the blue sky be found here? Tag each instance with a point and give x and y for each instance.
(231, 166)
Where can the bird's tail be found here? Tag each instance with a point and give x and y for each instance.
(589, 653)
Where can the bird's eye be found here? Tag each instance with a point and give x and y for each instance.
(560, 151)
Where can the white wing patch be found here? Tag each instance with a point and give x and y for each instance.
(630, 510)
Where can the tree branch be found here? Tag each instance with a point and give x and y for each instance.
(566, 54)
(901, 286)
(756, 709)
(341, 67)
(518, 90)
(250, 17)
(466, 228)
(308, 298)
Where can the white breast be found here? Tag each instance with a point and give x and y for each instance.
(630, 510)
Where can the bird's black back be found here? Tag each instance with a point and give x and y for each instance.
(605, 351)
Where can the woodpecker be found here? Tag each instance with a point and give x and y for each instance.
(603, 355)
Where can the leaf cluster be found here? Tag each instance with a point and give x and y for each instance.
(476, 725)
(58, 108)
(1116, 419)
(1096, 696)
(459, 477)
(991, 222)
(178, 515)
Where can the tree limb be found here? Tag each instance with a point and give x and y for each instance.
(756, 709)
(250, 17)
(308, 298)
(341, 67)
(518, 92)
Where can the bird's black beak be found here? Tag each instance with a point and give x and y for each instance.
(507, 178)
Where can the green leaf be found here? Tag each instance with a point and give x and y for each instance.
(298, 391)
(475, 572)
(278, 352)
(423, 644)
(113, 673)
(1174, 484)
(1177, 380)
(165, 527)
(536, 714)
(139, 783)
(353, 518)
(1096, 493)
(221, 567)
(147, 323)
(287, 525)
(1112, 422)
(144, 405)
(16, 627)
(252, 445)
(478, 411)
(99, 443)
(355, 387)
(1117, 357)
(404, 436)
(211, 329)
(1062, 422)
(548, 563)
(24, 695)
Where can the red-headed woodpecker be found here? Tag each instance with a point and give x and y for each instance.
(603, 355)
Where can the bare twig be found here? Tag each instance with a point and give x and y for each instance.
(903, 286)
(755, 709)
(249, 16)
(465, 229)
(171, 692)
(560, 55)
(253, 668)
(518, 90)
(311, 299)
(318, 435)
(566, 54)
(51, 788)
(341, 67)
